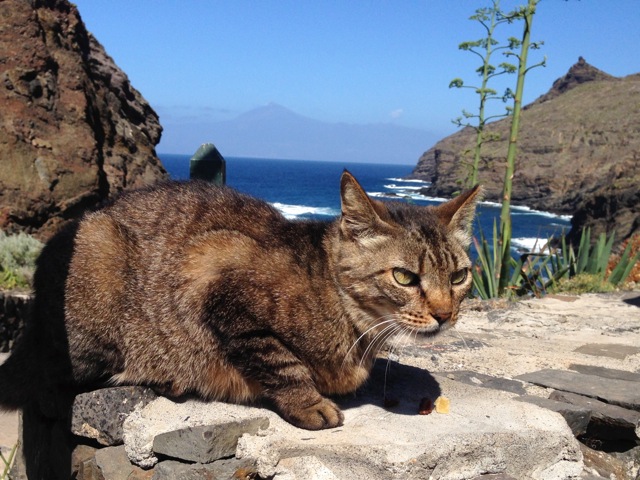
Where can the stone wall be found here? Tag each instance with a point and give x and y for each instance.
(14, 308)
(129, 433)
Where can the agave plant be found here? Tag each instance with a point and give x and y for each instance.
(536, 273)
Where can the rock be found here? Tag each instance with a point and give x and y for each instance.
(114, 464)
(606, 372)
(577, 154)
(221, 469)
(207, 443)
(577, 417)
(162, 416)
(499, 476)
(604, 464)
(484, 433)
(74, 130)
(80, 455)
(100, 414)
(609, 422)
(618, 392)
(486, 381)
(612, 350)
(307, 467)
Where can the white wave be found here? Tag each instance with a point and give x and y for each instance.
(523, 210)
(403, 195)
(530, 244)
(405, 180)
(295, 211)
(393, 186)
(531, 211)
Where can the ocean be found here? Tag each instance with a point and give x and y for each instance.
(310, 189)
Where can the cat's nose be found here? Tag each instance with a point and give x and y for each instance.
(442, 316)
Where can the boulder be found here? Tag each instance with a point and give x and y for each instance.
(74, 131)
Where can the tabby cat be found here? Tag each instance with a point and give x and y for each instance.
(192, 288)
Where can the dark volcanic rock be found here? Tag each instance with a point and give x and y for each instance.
(607, 421)
(616, 392)
(578, 153)
(74, 131)
(100, 414)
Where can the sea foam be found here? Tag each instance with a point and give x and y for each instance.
(297, 211)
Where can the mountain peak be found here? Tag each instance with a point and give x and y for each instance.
(580, 72)
(270, 110)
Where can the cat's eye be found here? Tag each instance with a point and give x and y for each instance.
(405, 277)
(458, 277)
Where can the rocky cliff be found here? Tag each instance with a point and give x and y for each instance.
(578, 153)
(73, 131)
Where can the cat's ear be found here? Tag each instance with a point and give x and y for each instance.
(457, 214)
(362, 217)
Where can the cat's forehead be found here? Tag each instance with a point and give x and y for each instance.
(424, 235)
(421, 222)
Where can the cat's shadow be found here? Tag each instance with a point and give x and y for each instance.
(400, 389)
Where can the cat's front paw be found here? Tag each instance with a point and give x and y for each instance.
(321, 415)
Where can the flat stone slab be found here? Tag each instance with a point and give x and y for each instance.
(486, 432)
(606, 372)
(206, 443)
(427, 348)
(618, 392)
(610, 421)
(612, 350)
(486, 381)
(577, 417)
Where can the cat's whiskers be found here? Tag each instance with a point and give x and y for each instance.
(390, 321)
(379, 339)
(461, 337)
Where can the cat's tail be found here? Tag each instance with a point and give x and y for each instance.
(18, 377)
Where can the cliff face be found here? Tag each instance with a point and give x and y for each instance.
(73, 131)
(578, 153)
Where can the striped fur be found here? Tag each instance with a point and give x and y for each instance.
(197, 289)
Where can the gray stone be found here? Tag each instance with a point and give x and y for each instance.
(100, 414)
(618, 392)
(577, 417)
(206, 443)
(486, 381)
(610, 421)
(604, 464)
(427, 348)
(221, 469)
(605, 372)
(80, 455)
(613, 350)
(485, 432)
(499, 476)
(114, 464)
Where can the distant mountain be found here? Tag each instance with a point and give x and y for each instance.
(274, 131)
(578, 153)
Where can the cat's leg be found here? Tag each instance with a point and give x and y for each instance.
(286, 382)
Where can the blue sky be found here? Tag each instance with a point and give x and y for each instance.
(350, 61)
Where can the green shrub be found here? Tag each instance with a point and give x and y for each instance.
(589, 268)
(595, 259)
(18, 254)
(583, 283)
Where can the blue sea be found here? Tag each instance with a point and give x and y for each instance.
(310, 189)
